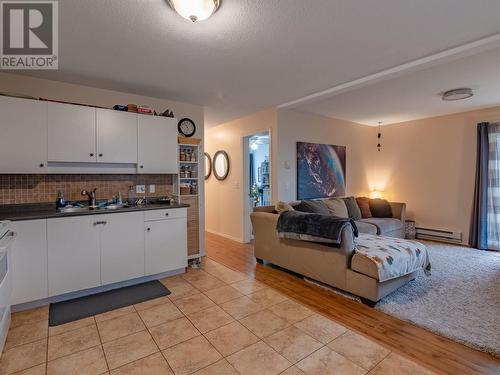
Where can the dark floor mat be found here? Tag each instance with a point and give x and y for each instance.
(83, 307)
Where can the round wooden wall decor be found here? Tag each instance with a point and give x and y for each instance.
(220, 165)
(208, 165)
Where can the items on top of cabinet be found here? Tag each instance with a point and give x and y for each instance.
(119, 107)
(145, 110)
(167, 113)
(132, 107)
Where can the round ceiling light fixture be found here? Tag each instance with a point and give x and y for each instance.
(458, 94)
(195, 10)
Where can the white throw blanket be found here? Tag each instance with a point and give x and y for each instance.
(394, 257)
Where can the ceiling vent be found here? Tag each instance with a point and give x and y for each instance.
(458, 94)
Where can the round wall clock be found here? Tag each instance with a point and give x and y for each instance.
(186, 127)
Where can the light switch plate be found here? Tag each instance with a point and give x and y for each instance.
(140, 189)
(152, 188)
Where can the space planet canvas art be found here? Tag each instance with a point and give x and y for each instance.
(320, 170)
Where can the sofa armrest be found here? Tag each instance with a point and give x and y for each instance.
(398, 210)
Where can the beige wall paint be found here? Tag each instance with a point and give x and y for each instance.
(224, 199)
(297, 126)
(430, 165)
(56, 90)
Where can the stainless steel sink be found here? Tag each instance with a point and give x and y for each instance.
(115, 206)
(74, 209)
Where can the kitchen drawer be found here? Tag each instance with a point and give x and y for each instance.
(172, 213)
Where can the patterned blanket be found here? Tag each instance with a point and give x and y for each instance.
(393, 257)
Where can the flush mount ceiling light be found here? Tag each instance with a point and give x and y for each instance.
(194, 10)
(458, 94)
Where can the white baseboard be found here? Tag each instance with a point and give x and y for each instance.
(229, 237)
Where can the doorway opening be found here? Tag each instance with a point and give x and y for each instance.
(257, 175)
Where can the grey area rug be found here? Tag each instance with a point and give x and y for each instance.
(460, 300)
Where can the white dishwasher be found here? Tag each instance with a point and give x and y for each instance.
(7, 237)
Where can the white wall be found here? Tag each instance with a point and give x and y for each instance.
(296, 126)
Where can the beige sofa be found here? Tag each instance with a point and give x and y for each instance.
(337, 267)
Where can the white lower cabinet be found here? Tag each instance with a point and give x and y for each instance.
(166, 245)
(122, 246)
(29, 261)
(74, 255)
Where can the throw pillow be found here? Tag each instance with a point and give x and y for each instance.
(352, 208)
(283, 207)
(364, 207)
(380, 208)
(337, 207)
(313, 207)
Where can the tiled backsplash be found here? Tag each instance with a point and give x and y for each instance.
(15, 189)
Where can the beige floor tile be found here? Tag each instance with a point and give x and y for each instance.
(72, 342)
(223, 294)
(118, 327)
(321, 328)
(294, 370)
(293, 344)
(258, 359)
(240, 307)
(209, 319)
(190, 356)
(194, 303)
(151, 303)
(153, 365)
(291, 311)
(26, 333)
(30, 316)
(71, 326)
(182, 291)
(248, 286)
(396, 365)
(87, 362)
(193, 275)
(264, 323)
(173, 281)
(362, 351)
(325, 361)
(231, 338)
(267, 297)
(23, 357)
(221, 367)
(173, 332)
(227, 275)
(114, 313)
(129, 349)
(207, 283)
(160, 314)
(37, 370)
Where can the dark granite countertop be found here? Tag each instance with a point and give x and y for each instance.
(34, 211)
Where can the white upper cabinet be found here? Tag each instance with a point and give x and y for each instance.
(71, 133)
(116, 136)
(23, 135)
(157, 147)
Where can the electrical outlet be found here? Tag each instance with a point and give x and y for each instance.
(152, 188)
(140, 189)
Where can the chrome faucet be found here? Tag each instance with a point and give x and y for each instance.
(91, 196)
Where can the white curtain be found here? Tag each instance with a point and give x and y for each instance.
(493, 215)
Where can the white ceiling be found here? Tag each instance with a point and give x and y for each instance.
(417, 95)
(254, 54)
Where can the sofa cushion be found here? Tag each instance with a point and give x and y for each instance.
(313, 207)
(362, 264)
(380, 208)
(352, 208)
(364, 206)
(384, 225)
(337, 207)
(281, 207)
(366, 227)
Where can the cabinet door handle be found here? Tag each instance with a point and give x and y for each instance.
(100, 155)
(149, 229)
(100, 222)
(142, 166)
(42, 165)
(91, 154)
(166, 213)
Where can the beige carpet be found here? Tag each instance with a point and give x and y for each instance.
(460, 300)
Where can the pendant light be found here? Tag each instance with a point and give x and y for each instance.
(379, 135)
(194, 10)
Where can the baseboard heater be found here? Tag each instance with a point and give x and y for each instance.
(438, 235)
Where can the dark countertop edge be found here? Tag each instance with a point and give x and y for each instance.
(53, 214)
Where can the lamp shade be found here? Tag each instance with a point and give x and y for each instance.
(195, 10)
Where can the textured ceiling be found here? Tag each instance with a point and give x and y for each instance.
(254, 54)
(418, 95)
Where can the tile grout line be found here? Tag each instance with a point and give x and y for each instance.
(102, 346)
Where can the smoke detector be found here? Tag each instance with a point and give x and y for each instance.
(458, 94)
